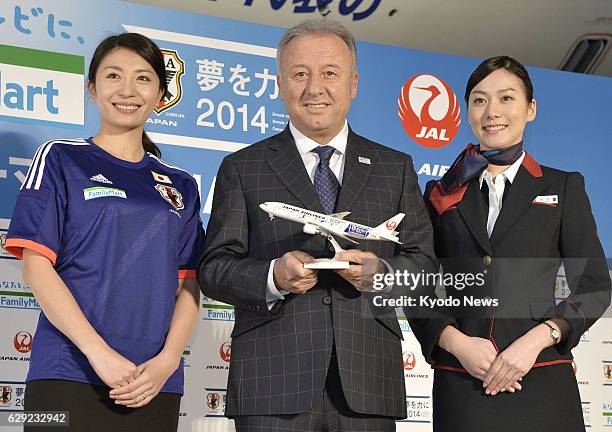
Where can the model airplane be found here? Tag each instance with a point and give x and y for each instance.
(334, 224)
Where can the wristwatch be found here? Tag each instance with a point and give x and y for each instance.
(554, 333)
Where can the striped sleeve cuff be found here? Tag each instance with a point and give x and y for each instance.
(16, 246)
(186, 274)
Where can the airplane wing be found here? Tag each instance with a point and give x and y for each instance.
(341, 215)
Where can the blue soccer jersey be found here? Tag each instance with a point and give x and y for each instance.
(120, 234)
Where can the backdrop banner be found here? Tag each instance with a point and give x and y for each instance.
(223, 97)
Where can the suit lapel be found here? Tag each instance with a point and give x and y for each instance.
(356, 173)
(285, 160)
(473, 211)
(522, 192)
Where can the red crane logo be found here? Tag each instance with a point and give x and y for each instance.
(225, 351)
(391, 225)
(409, 360)
(23, 342)
(429, 111)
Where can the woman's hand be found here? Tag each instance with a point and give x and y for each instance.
(60, 307)
(153, 375)
(514, 362)
(475, 354)
(112, 368)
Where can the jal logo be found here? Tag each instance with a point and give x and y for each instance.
(225, 351)
(429, 111)
(391, 225)
(23, 342)
(409, 360)
(175, 68)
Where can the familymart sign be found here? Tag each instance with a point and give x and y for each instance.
(41, 85)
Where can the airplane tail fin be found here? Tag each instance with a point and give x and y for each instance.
(387, 229)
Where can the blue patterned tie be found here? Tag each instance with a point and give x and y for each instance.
(325, 182)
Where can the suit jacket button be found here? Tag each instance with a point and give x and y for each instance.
(486, 260)
(327, 300)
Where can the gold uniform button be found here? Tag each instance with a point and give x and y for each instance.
(487, 260)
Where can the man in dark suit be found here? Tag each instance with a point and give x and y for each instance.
(309, 350)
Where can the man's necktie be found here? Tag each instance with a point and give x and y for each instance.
(325, 182)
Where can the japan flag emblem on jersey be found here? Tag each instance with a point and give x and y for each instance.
(171, 195)
(161, 178)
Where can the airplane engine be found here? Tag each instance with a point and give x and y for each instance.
(310, 229)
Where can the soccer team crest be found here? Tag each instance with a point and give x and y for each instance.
(175, 68)
(171, 195)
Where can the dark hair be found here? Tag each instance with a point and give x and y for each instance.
(145, 48)
(490, 65)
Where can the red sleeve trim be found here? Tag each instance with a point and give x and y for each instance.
(449, 368)
(552, 362)
(540, 364)
(187, 274)
(17, 245)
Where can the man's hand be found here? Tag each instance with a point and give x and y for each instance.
(290, 274)
(364, 265)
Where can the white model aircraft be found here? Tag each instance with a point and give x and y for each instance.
(334, 224)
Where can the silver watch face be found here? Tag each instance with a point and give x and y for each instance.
(555, 333)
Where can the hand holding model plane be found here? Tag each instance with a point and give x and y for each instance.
(296, 271)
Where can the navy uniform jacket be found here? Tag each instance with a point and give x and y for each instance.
(532, 236)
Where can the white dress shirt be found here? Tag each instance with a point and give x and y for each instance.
(305, 146)
(496, 190)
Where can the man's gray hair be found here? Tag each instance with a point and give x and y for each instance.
(318, 26)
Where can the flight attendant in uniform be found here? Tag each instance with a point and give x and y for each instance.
(498, 213)
(110, 236)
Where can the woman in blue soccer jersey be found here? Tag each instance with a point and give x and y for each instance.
(110, 236)
(500, 214)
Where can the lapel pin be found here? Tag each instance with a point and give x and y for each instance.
(364, 160)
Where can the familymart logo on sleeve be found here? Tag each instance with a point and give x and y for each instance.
(41, 85)
(103, 192)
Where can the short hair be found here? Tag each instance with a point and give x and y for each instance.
(492, 64)
(318, 26)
